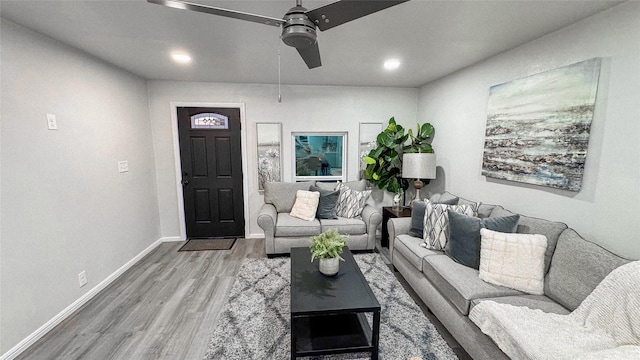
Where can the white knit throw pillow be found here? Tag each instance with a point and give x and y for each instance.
(513, 260)
(306, 205)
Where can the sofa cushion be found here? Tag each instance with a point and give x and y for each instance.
(287, 225)
(344, 225)
(484, 210)
(306, 205)
(331, 186)
(513, 260)
(327, 203)
(531, 225)
(458, 283)
(283, 194)
(418, 207)
(464, 235)
(577, 267)
(539, 302)
(411, 248)
(359, 185)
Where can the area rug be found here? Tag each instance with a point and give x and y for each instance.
(208, 244)
(255, 321)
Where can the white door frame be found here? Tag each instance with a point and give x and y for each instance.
(178, 165)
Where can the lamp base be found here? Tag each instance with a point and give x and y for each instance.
(418, 184)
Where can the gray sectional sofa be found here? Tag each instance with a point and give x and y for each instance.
(573, 268)
(283, 231)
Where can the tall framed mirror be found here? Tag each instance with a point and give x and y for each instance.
(269, 144)
(319, 156)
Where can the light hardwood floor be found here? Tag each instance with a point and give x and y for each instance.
(164, 307)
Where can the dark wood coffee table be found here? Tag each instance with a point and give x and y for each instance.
(328, 313)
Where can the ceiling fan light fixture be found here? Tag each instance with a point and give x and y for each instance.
(298, 30)
(391, 64)
(181, 58)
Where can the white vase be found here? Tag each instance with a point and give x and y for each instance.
(329, 267)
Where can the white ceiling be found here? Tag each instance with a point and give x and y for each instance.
(431, 38)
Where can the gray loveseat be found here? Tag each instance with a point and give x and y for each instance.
(283, 231)
(573, 268)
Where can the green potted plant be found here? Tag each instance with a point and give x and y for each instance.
(384, 163)
(327, 247)
(421, 142)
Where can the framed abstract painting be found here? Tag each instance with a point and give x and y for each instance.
(538, 127)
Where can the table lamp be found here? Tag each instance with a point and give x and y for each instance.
(418, 166)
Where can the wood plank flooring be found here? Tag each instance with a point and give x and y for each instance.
(164, 307)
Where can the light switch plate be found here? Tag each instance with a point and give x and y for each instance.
(123, 166)
(52, 124)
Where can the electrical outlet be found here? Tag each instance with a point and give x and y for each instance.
(82, 278)
(52, 124)
(123, 166)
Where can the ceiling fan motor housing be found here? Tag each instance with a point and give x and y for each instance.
(298, 31)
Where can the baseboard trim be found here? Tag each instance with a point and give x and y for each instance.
(171, 239)
(49, 325)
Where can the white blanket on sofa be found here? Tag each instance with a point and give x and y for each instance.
(606, 325)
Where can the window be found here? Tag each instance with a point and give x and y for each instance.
(319, 156)
(209, 121)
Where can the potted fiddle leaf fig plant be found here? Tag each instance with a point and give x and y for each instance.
(384, 163)
(421, 142)
(327, 247)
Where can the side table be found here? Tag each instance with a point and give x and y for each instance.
(387, 213)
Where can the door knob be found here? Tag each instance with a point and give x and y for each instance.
(184, 182)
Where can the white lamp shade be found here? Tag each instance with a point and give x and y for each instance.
(419, 166)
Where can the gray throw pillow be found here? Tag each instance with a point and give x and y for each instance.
(327, 203)
(417, 215)
(464, 235)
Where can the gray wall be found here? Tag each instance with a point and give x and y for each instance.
(605, 210)
(65, 208)
(303, 108)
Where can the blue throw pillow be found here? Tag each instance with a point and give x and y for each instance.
(417, 215)
(327, 203)
(464, 235)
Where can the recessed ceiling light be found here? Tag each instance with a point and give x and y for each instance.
(392, 64)
(181, 58)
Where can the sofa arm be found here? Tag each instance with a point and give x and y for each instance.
(395, 227)
(372, 218)
(267, 218)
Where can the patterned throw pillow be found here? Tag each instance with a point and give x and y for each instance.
(436, 223)
(306, 205)
(417, 215)
(351, 202)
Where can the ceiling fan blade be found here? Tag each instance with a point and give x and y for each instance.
(177, 4)
(311, 55)
(338, 13)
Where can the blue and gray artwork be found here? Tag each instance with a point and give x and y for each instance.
(538, 127)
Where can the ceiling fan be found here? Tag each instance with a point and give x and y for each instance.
(298, 24)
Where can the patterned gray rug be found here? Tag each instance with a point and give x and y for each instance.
(255, 321)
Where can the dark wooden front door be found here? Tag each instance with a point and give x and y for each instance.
(211, 158)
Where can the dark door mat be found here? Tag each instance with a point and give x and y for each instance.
(208, 244)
